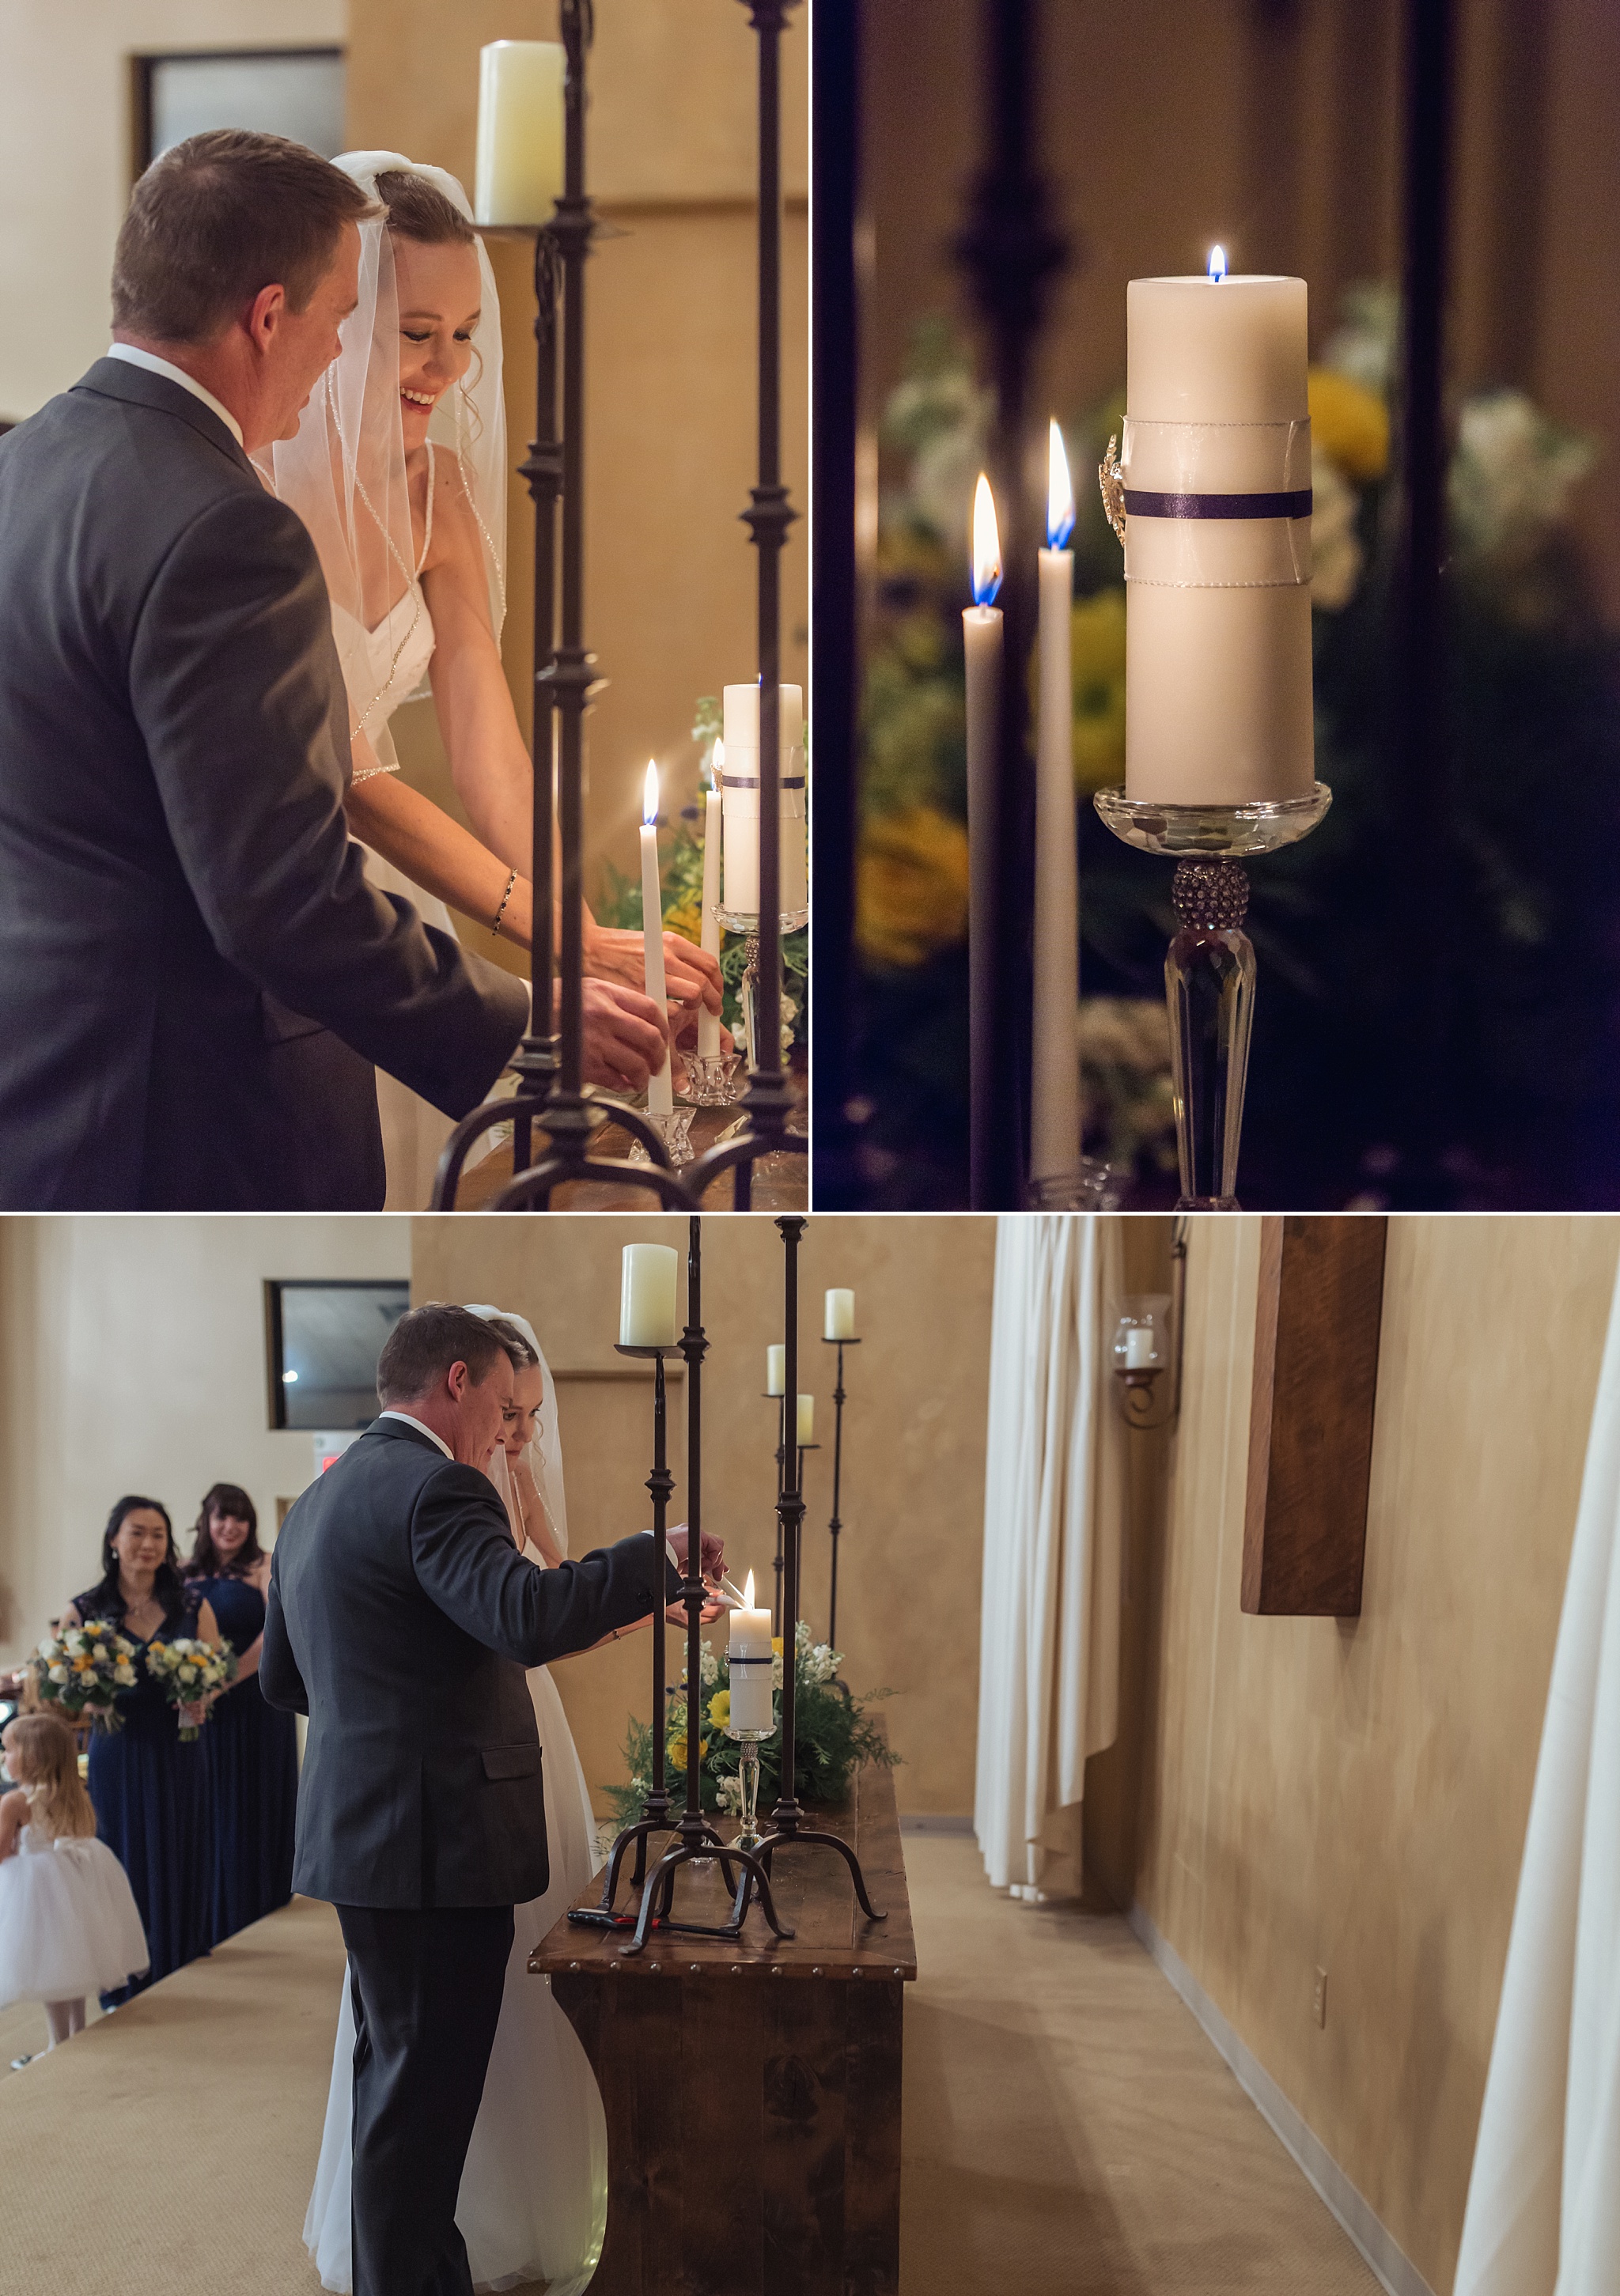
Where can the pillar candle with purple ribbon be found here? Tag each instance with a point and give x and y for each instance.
(1216, 468)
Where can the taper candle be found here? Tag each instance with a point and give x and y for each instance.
(520, 131)
(1055, 1039)
(775, 1370)
(646, 1295)
(1216, 467)
(981, 649)
(661, 1098)
(708, 1022)
(840, 1315)
(753, 1706)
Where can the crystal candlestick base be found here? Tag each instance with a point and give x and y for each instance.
(1209, 966)
(675, 1130)
(749, 1836)
(745, 921)
(709, 1078)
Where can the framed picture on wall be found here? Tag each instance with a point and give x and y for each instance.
(323, 1337)
(292, 92)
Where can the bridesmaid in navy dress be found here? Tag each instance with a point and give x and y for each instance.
(249, 1749)
(150, 1791)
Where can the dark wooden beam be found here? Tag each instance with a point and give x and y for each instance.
(1316, 1375)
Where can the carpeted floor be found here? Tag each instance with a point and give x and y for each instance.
(1069, 2131)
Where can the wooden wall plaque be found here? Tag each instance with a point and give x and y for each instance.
(1316, 1375)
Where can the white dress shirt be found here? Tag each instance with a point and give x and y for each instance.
(420, 1429)
(153, 365)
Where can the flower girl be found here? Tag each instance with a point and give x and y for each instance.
(68, 1920)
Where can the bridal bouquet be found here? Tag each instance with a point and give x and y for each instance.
(187, 1671)
(80, 1671)
(834, 1734)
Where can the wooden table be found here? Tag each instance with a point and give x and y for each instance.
(753, 2091)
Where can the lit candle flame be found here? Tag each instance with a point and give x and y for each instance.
(986, 544)
(748, 1592)
(1059, 492)
(1217, 265)
(649, 796)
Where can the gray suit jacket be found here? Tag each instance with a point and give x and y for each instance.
(194, 975)
(402, 1618)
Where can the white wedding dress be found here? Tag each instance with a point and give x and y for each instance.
(533, 2203)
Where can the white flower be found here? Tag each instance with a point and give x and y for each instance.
(59, 1674)
(730, 1795)
(123, 1675)
(49, 1647)
(710, 1668)
(1513, 472)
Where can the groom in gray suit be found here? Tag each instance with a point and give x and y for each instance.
(402, 1618)
(195, 976)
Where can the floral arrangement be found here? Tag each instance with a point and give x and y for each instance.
(80, 1671)
(834, 1734)
(187, 1671)
(680, 858)
(1533, 1105)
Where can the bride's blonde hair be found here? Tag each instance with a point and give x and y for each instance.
(43, 1759)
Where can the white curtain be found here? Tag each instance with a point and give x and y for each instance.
(1543, 2212)
(1049, 1638)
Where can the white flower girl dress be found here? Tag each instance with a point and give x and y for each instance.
(69, 1923)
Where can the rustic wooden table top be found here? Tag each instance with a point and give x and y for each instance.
(813, 1895)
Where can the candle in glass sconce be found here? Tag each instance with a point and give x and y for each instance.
(708, 1022)
(840, 1315)
(518, 178)
(646, 1295)
(1055, 1039)
(661, 1098)
(776, 1371)
(1216, 467)
(752, 1705)
(740, 749)
(982, 650)
(1139, 1349)
(806, 1421)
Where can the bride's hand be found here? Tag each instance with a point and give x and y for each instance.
(692, 977)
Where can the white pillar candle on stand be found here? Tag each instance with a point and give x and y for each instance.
(982, 652)
(740, 874)
(1139, 1349)
(520, 131)
(1055, 1039)
(752, 1705)
(776, 1371)
(708, 1022)
(840, 1315)
(1216, 465)
(646, 1296)
(660, 1099)
(806, 1419)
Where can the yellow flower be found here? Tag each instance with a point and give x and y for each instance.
(685, 921)
(84, 1666)
(720, 1709)
(675, 1757)
(776, 1644)
(911, 886)
(1349, 423)
(1097, 654)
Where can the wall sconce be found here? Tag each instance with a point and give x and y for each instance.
(1147, 1345)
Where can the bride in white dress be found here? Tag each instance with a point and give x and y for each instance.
(399, 470)
(533, 2203)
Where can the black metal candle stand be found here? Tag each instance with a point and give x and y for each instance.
(789, 1831)
(551, 1096)
(835, 1521)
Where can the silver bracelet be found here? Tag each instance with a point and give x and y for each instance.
(500, 913)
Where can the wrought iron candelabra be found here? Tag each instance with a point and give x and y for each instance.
(836, 1523)
(551, 1098)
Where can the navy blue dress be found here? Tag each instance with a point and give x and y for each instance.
(250, 1757)
(151, 1809)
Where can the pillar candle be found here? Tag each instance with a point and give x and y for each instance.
(646, 1296)
(752, 1705)
(520, 131)
(776, 1371)
(840, 1315)
(660, 1099)
(1139, 1349)
(1216, 463)
(981, 649)
(1055, 1039)
(806, 1419)
(741, 843)
(708, 1022)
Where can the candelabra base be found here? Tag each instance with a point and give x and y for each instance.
(792, 1833)
(1209, 966)
(1088, 1186)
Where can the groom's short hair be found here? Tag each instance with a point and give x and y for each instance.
(217, 218)
(427, 1340)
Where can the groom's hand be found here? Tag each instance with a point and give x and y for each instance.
(625, 1040)
(713, 1550)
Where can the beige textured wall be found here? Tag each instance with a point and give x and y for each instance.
(914, 1443)
(66, 159)
(1353, 1795)
(671, 362)
(132, 1358)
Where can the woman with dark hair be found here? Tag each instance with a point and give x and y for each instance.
(250, 1750)
(151, 1791)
